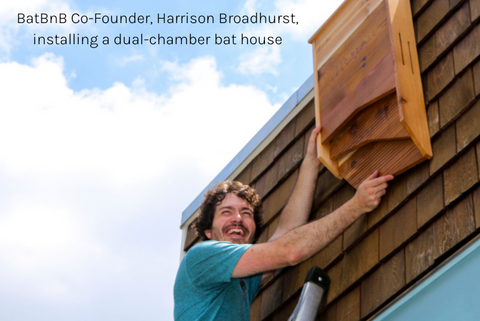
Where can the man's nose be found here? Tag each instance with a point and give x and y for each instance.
(237, 216)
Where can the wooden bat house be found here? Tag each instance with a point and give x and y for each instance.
(368, 91)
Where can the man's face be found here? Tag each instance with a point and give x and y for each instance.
(233, 221)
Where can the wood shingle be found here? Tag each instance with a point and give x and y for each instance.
(398, 228)
(419, 254)
(456, 98)
(444, 148)
(428, 211)
(467, 50)
(460, 176)
(440, 76)
(453, 227)
(466, 133)
(453, 28)
(430, 200)
(429, 18)
(382, 283)
(433, 118)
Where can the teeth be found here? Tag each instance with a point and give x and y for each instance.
(237, 231)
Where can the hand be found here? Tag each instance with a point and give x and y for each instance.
(312, 146)
(370, 192)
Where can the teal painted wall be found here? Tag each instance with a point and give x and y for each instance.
(452, 292)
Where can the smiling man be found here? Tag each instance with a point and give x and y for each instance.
(219, 277)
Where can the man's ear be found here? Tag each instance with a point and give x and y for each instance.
(208, 233)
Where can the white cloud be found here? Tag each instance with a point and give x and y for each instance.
(261, 60)
(249, 7)
(122, 62)
(38, 229)
(11, 8)
(124, 133)
(310, 14)
(10, 28)
(40, 244)
(94, 182)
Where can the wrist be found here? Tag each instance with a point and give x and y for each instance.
(311, 162)
(355, 207)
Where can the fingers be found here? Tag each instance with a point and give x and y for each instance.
(371, 191)
(374, 175)
(315, 133)
(317, 130)
(373, 180)
(312, 145)
(379, 189)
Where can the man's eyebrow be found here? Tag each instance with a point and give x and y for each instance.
(231, 207)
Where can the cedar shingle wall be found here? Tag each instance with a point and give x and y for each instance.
(428, 212)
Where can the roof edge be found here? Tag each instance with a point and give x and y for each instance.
(259, 137)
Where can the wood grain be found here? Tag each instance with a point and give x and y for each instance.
(366, 55)
(348, 306)
(382, 283)
(358, 73)
(430, 200)
(391, 157)
(323, 151)
(419, 254)
(380, 121)
(407, 75)
(391, 237)
(341, 24)
(453, 226)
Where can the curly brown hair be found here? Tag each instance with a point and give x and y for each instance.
(215, 196)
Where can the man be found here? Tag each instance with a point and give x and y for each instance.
(220, 277)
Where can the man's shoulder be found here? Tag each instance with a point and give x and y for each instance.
(209, 249)
(211, 262)
(220, 245)
(202, 246)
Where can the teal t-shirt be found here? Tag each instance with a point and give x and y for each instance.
(204, 288)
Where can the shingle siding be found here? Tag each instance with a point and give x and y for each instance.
(428, 212)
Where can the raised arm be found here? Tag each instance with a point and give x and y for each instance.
(304, 241)
(298, 208)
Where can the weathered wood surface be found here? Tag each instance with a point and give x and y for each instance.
(382, 283)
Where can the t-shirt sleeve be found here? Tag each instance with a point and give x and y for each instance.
(210, 262)
(254, 285)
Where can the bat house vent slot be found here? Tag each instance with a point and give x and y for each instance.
(401, 48)
(410, 54)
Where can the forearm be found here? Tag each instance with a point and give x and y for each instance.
(298, 208)
(306, 240)
(325, 230)
(297, 245)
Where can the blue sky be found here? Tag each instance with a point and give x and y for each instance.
(103, 148)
